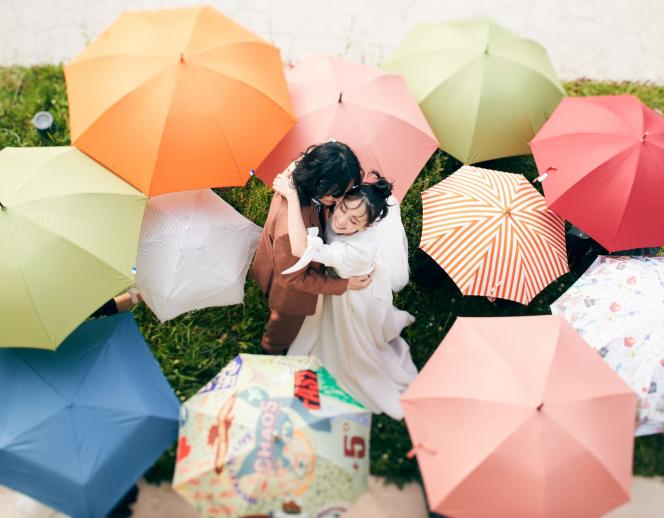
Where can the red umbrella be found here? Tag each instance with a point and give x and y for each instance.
(601, 162)
(372, 111)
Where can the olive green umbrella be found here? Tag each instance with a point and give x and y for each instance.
(484, 90)
(68, 239)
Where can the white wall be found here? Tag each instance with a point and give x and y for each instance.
(603, 39)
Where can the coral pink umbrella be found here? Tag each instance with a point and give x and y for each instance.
(601, 162)
(372, 111)
(519, 417)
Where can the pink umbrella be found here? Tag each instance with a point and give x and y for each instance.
(370, 110)
(517, 417)
(601, 162)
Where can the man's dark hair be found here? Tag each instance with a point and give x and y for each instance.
(326, 169)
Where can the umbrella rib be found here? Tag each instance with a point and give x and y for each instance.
(219, 125)
(359, 129)
(27, 290)
(75, 245)
(530, 69)
(244, 83)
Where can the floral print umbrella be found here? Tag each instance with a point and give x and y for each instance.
(618, 307)
(272, 435)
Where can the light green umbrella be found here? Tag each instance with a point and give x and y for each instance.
(68, 238)
(484, 90)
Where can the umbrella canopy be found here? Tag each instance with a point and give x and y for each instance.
(67, 226)
(370, 110)
(617, 305)
(161, 90)
(272, 434)
(484, 90)
(601, 161)
(518, 417)
(493, 234)
(80, 425)
(194, 252)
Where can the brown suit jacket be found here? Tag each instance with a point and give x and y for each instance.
(295, 293)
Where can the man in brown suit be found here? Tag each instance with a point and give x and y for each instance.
(321, 176)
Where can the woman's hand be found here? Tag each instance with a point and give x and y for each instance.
(283, 184)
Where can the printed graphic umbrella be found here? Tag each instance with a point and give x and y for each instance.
(600, 161)
(80, 425)
(178, 99)
(194, 252)
(493, 234)
(272, 434)
(484, 90)
(68, 234)
(517, 417)
(370, 110)
(618, 307)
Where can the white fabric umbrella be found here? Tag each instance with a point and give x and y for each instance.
(617, 305)
(194, 253)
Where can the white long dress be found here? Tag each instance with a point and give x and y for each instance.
(356, 335)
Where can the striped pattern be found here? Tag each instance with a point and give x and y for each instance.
(493, 234)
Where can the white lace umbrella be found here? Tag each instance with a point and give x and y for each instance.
(194, 253)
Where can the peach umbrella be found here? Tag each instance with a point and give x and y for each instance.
(370, 110)
(178, 99)
(600, 161)
(519, 417)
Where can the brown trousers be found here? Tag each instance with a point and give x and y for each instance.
(280, 332)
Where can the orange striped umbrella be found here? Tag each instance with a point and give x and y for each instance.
(493, 234)
(178, 99)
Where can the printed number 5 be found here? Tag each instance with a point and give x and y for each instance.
(356, 447)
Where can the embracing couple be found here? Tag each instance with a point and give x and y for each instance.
(323, 215)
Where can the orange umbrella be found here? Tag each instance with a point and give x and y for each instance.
(178, 99)
(493, 234)
(372, 111)
(519, 417)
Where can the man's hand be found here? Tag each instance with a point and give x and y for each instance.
(359, 282)
(283, 185)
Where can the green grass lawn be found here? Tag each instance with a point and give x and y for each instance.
(193, 347)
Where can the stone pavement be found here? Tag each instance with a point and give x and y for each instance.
(601, 39)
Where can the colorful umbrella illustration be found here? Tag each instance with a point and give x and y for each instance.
(272, 434)
(600, 161)
(178, 99)
(67, 226)
(80, 425)
(370, 110)
(484, 90)
(617, 305)
(520, 411)
(194, 252)
(493, 234)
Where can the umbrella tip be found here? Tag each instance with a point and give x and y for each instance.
(2, 206)
(645, 135)
(340, 95)
(539, 407)
(486, 50)
(181, 57)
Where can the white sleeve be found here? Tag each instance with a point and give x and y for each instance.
(335, 254)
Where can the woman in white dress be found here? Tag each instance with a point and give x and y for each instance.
(356, 335)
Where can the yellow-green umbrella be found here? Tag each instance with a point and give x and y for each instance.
(68, 238)
(485, 90)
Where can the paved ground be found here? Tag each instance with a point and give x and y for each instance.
(382, 501)
(603, 39)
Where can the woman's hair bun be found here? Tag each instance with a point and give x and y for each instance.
(381, 185)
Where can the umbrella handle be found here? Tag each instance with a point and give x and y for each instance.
(545, 174)
(421, 446)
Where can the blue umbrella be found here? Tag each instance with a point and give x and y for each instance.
(79, 426)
